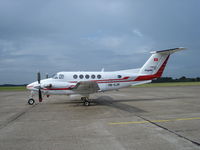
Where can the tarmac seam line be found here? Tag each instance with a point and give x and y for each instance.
(15, 117)
(154, 122)
(160, 126)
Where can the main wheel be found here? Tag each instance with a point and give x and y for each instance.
(31, 101)
(86, 103)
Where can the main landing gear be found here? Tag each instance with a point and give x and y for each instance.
(86, 101)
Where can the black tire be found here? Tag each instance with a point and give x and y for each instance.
(31, 101)
(87, 103)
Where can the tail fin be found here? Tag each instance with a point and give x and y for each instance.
(155, 65)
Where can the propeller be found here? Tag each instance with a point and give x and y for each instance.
(39, 89)
(38, 77)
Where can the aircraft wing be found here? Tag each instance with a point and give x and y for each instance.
(86, 87)
(141, 82)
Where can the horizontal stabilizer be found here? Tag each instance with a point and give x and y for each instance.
(169, 51)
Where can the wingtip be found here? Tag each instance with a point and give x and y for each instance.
(182, 48)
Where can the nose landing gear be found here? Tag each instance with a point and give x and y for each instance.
(31, 101)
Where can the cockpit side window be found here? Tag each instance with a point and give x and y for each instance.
(55, 76)
(61, 76)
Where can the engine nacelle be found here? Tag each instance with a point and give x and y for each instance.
(56, 85)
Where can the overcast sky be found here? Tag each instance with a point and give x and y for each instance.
(73, 35)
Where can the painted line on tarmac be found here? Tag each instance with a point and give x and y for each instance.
(155, 121)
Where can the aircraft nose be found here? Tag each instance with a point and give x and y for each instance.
(29, 86)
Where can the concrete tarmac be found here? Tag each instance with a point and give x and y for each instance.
(155, 118)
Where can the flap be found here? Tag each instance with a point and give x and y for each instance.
(86, 87)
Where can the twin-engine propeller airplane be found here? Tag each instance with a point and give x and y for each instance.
(86, 83)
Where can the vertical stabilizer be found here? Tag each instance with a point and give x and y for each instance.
(155, 65)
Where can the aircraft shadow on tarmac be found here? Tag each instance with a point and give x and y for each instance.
(109, 101)
(106, 101)
(118, 104)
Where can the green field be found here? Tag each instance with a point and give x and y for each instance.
(169, 84)
(12, 88)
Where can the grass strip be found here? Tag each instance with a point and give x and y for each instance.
(169, 84)
(12, 88)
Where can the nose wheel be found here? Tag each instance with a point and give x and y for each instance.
(31, 101)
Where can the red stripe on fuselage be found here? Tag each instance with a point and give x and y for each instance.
(58, 89)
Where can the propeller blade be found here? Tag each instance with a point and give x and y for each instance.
(40, 95)
(39, 87)
(38, 77)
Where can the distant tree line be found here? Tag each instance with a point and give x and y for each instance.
(13, 85)
(158, 80)
(181, 79)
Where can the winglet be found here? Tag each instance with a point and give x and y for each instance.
(169, 51)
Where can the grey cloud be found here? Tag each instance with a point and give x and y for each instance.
(51, 36)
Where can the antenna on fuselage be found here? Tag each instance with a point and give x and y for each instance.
(102, 70)
(47, 76)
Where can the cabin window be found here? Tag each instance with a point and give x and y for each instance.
(87, 76)
(81, 76)
(119, 76)
(98, 76)
(93, 76)
(61, 76)
(75, 76)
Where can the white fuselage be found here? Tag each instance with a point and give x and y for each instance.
(64, 81)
